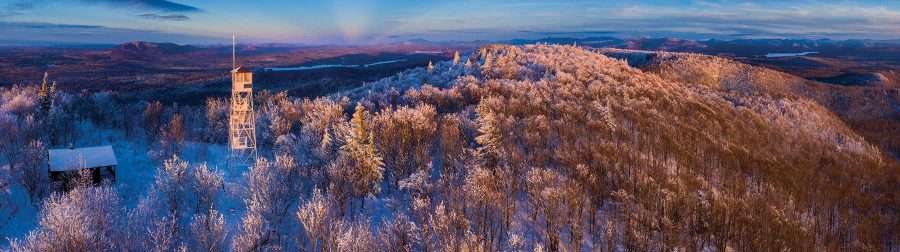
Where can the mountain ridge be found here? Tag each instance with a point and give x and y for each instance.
(646, 142)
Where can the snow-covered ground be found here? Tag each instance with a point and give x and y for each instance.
(134, 175)
(24, 214)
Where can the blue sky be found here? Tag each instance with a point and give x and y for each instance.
(374, 21)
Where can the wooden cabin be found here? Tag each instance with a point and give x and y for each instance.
(65, 165)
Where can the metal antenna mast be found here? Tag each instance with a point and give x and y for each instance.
(233, 53)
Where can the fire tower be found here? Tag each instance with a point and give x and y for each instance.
(242, 120)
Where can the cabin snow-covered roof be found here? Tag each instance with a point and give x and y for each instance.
(88, 157)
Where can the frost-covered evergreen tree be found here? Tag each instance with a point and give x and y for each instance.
(490, 137)
(46, 94)
(360, 147)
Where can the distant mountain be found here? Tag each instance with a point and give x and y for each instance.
(888, 79)
(143, 50)
(739, 47)
(15, 43)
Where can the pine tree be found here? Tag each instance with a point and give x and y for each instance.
(491, 136)
(361, 148)
(430, 66)
(52, 92)
(44, 95)
(456, 58)
(488, 63)
(327, 145)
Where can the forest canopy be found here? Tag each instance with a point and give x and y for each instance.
(512, 148)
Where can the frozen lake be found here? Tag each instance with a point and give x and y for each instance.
(779, 55)
(301, 68)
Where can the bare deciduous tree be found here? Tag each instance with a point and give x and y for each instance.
(85, 219)
(208, 232)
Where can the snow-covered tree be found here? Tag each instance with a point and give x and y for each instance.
(489, 202)
(13, 138)
(320, 223)
(172, 136)
(216, 120)
(357, 236)
(152, 120)
(323, 126)
(85, 219)
(46, 94)
(172, 188)
(207, 186)
(546, 196)
(447, 227)
(272, 190)
(34, 170)
(491, 136)
(405, 136)
(399, 234)
(208, 232)
(366, 161)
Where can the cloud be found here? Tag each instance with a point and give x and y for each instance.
(155, 5)
(32, 33)
(15, 9)
(686, 19)
(172, 17)
(460, 31)
(570, 33)
(715, 20)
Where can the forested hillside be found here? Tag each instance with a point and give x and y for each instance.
(874, 112)
(514, 148)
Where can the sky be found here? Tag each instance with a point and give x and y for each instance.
(382, 21)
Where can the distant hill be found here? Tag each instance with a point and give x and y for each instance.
(888, 79)
(674, 144)
(868, 102)
(143, 50)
